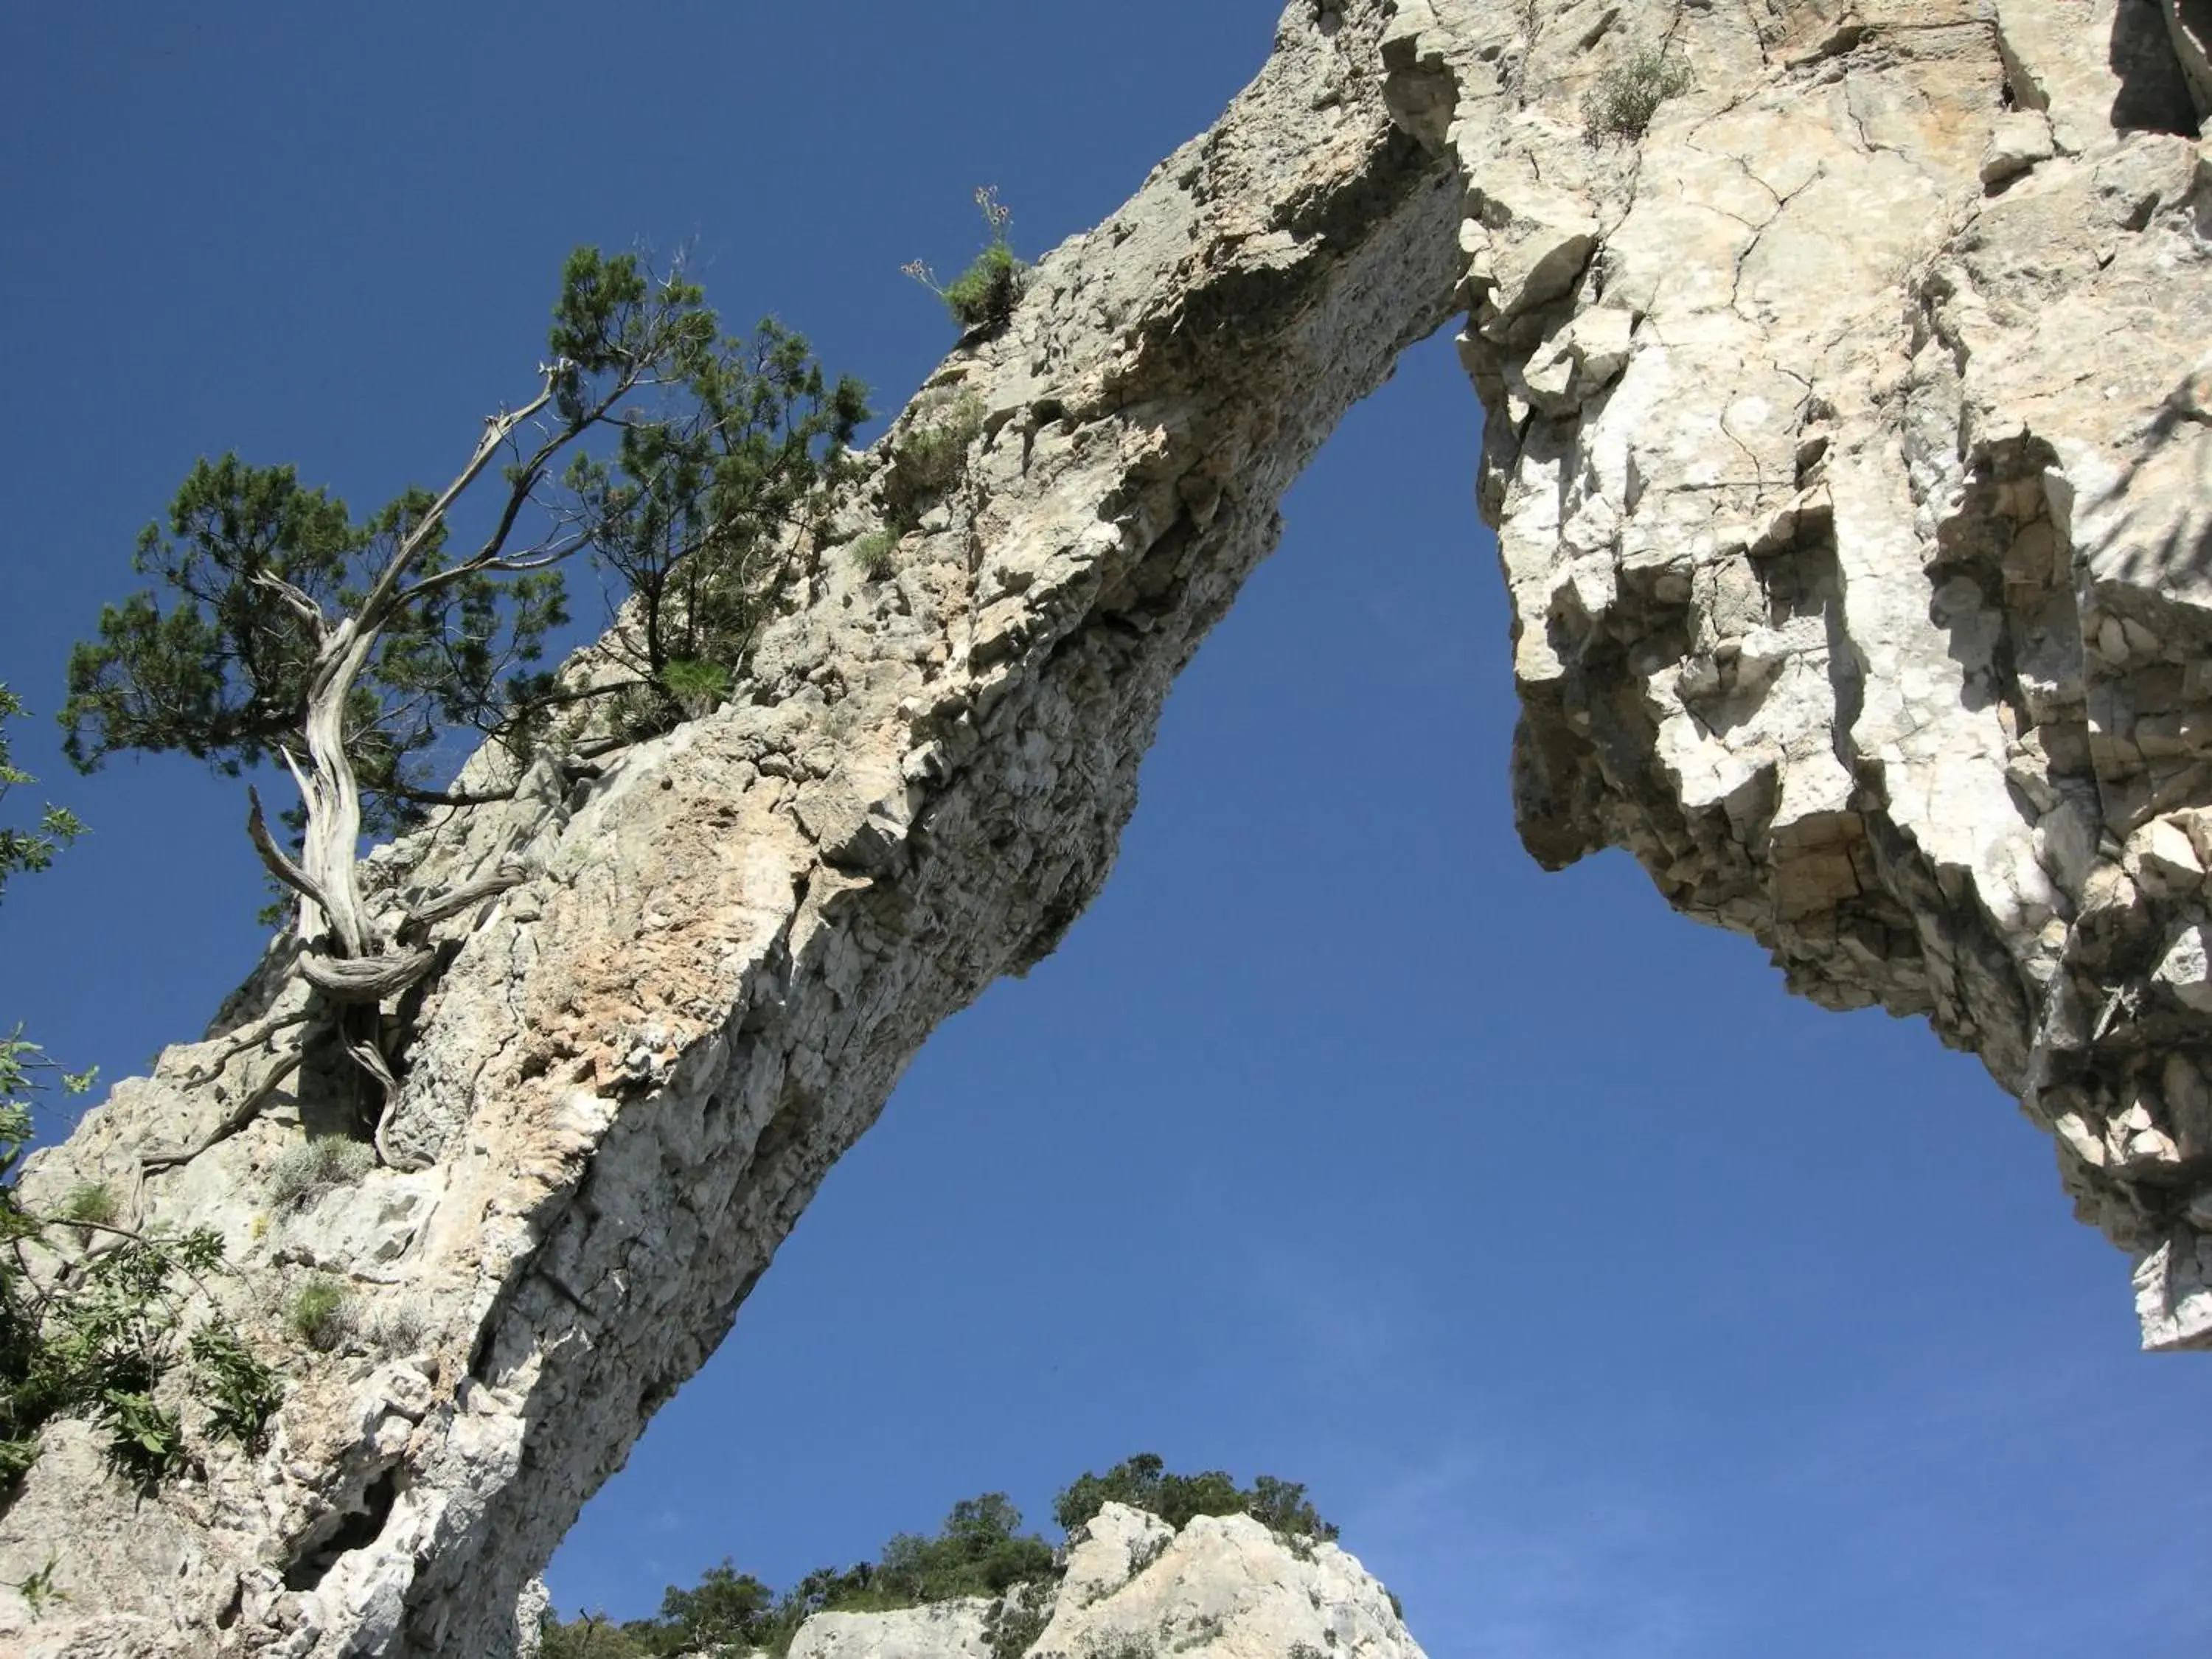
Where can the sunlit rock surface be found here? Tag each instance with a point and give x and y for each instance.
(1223, 1587)
(1849, 447)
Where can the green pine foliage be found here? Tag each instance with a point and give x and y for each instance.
(212, 663)
(696, 510)
(682, 461)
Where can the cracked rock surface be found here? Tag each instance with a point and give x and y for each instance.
(1849, 446)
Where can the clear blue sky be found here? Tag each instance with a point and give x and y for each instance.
(1618, 1306)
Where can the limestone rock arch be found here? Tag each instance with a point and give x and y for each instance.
(1850, 445)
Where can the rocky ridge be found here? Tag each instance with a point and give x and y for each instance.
(1850, 445)
(1224, 1587)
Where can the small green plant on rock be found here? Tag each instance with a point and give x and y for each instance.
(95, 1332)
(92, 1204)
(101, 1341)
(1147, 1552)
(698, 687)
(1121, 1647)
(876, 554)
(320, 1313)
(38, 1588)
(1623, 101)
(306, 1171)
(241, 1393)
(983, 295)
(931, 456)
(1207, 1627)
(400, 1327)
(147, 1437)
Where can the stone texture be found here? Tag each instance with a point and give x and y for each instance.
(948, 1630)
(1224, 1587)
(1856, 513)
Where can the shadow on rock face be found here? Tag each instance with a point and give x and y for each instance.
(2154, 93)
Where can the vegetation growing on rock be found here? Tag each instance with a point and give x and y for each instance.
(982, 296)
(94, 1315)
(685, 464)
(313, 1167)
(930, 455)
(1145, 1482)
(979, 1552)
(1622, 102)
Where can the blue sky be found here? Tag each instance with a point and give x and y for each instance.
(1613, 1303)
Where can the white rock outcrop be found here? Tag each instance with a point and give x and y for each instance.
(1223, 1587)
(1849, 447)
(944, 1630)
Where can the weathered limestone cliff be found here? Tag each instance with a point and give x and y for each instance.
(1849, 446)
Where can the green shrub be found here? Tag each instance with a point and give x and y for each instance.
(146, 1439)
(591, 1637)
(978, 1552)
(1625, 98)
(698, 687)
(241, 1393)
(306, 1171)
(17, 1457)
(320, 1313)
(1015, 1621)
(1143, 1482)
(1206, 1627)
(99, 1340)
(984, 296)
(1147, 1552)
(876, 554)
(93, 1203)
(726, 1607)
(1123, 1647)
(930, 457)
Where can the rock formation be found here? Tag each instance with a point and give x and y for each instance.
(1224, 1587)
(1849, 446)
